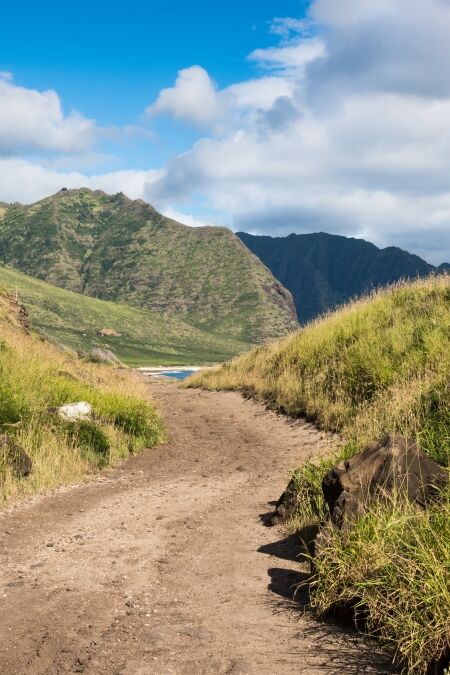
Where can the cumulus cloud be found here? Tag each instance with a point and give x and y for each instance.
(350, 132)
(40, 182)
(33, 121)
(193, 98)
(187, 218)
(399, 46)
(345, 128)
(259, 93)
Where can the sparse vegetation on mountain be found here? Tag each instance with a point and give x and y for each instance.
(146, 337)
(34, 379)
(113, 248)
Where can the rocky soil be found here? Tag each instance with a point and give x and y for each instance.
(166, 565)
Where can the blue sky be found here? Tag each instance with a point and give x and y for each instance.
(110, 60)
(270, 117)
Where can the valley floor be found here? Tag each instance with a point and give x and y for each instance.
(165, 565)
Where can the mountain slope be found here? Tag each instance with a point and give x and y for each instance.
(117, 249)
(323, 271)
(145, 336)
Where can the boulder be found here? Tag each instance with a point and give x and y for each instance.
(72, 412)
(15, 456)
(108, 332)
(286, 506)
(396, 464)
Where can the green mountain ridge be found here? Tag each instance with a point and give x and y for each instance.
(117, 249)
(324, 271)
(146, 337)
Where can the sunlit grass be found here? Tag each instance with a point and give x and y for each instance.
(35, 377)
(393, 567)
(145, 337)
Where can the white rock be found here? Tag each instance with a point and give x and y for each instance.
(75, 411)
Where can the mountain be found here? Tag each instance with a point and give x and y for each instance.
(323, 271)
(140, 337)
(114, 248)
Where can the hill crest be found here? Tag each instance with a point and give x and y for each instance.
(115, 248)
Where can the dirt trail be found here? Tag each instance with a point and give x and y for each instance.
(165, 565)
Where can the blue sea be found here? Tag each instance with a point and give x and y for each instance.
(176, 374)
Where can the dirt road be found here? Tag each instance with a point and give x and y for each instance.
(165, 566)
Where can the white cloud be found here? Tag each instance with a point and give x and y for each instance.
(349, 134)
(34, 121)
(259, 93)
(193, 98)
(288, 56)
(346, 12)
(187, 218)
(287, 26)
(24, 181)
(346, 129)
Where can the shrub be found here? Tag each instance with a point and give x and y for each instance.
(90, 438)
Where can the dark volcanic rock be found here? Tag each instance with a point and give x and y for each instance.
(15, 456)
(394, 464)
(287, 505)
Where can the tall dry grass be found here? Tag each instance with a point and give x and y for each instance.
(393, 568)
(35, 376)
(377, 365)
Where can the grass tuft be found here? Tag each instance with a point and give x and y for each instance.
(393, 568)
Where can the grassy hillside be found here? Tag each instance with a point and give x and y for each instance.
(35, 377)
(324, 271)
(113, 248)
(379, 365)
(147, 337)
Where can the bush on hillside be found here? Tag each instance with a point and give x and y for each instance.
(90, 438)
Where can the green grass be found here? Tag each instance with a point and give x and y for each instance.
(379, 365)
(35, 377)
(148, 338)
(393, 567)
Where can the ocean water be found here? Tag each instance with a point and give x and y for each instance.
(176, 374)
